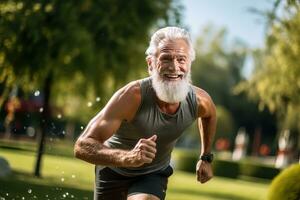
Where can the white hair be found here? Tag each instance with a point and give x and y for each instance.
(169, 33)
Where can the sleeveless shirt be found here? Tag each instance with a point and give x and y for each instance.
(150, 120)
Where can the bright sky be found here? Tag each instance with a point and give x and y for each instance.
(232, 14)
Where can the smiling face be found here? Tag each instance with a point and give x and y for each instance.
(170, 70)
(172, 61)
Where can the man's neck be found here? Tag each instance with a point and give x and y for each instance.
(169, 108)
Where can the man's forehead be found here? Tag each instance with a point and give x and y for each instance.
(171, 46)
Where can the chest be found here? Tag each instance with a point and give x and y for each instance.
(168, 128)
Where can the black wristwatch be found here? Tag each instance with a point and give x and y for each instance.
(207, 157)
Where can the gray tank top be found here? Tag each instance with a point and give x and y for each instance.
(149, 120)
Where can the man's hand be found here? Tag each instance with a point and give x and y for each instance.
(143, 152)
(204, 171)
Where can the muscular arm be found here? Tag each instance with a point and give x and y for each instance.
(207, 127)
(90, 145)
(207, 120)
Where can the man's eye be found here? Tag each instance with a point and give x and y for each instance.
(181, 60)
(166, 60)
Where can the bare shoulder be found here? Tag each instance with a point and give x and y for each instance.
(206, 106)
(125, 101)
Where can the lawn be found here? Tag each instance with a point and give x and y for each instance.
(64, 177)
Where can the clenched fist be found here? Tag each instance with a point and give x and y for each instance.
(204, 171)
(143, 152)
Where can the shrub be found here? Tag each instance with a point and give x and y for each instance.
(185, 160)
(286, 185)
(226, 168)
(258, 170)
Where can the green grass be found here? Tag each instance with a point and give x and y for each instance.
(64, 177)
(183, 185)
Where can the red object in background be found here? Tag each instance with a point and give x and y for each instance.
(222, 144)
(264, 150)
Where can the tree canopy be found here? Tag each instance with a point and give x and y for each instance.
(218, 68)
(74, 49)
(276, 80)
(89, 46)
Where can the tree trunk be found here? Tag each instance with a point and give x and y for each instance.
(44, 122)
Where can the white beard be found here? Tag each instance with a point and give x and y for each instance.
(170, 91)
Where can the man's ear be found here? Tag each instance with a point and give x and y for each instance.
(150, 64)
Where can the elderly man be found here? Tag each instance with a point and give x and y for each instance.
(131, 139)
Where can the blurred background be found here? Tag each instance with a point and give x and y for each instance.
(60, 62)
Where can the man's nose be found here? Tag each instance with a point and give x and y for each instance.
(174, 65)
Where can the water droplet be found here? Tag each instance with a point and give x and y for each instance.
(72, 196)
(37, 93)
(59, 116)
(34, 197)
(41, 109)
(73, 176)
(89, 104)
(30, 131)
(23, 198)
(67, 193)
(29, 191)
(63, 132)
(98, 99)
(62, 179)
(6, 194)
(46, 195)
(64, 196)
(81, 127)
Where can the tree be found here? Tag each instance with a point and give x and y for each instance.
(275, 83)
(218, 69)
(46, 43)
(276, 80)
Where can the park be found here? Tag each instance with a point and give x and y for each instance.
(61, 61)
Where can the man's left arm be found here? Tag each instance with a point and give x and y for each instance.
(207, 121)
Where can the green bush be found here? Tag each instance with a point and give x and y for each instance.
(286, 186)
(258, 170)
(185, 160)
(226, 168)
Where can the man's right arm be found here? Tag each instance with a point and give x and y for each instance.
(90, 145)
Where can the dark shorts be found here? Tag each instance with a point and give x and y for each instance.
(110, 185)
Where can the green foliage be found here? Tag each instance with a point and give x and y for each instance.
(185, 159)
(86, 44)
(286, 185)
(258, 170)
(218, 69)
(276, 81)
(226, 168)
(225, 125)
